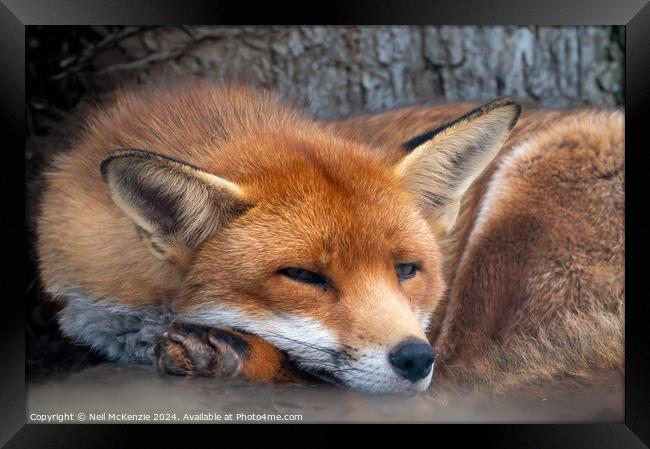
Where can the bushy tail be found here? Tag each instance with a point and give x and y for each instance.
(577, 349)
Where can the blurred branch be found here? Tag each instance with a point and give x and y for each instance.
(167, 55)
(138, 63)
(87, 55)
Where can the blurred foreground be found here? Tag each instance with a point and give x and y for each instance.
(108, 388)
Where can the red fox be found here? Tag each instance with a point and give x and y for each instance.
(214, 230)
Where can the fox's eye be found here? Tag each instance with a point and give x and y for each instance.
(406, 270)
(306, 276)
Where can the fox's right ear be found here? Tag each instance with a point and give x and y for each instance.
(174, 206)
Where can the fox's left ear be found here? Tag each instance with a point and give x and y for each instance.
(174, 206)
(444, 163)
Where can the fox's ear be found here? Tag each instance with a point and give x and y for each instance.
(174, 206)
(445, 162)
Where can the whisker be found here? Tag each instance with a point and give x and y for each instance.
(442, 363)
(335, 369)
(330, 366)
(343, 345)
(307, 344)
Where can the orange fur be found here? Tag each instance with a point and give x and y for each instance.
(327, 198)
(536, 296)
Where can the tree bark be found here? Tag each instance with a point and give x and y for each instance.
(339, 70)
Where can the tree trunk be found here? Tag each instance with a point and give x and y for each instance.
(341, 70)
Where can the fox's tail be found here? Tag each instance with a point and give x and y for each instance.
(577, 349)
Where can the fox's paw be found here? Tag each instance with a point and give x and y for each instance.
(190, 350)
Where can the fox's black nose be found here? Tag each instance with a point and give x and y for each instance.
(412, 359)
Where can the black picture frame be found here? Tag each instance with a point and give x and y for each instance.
(634, 14)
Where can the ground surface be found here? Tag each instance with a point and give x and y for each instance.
(108, 388)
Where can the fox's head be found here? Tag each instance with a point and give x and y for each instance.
(315, 243)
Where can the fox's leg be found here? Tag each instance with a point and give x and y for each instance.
(191, 350)
(144, 336)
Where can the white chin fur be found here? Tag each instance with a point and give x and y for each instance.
(372, 373)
